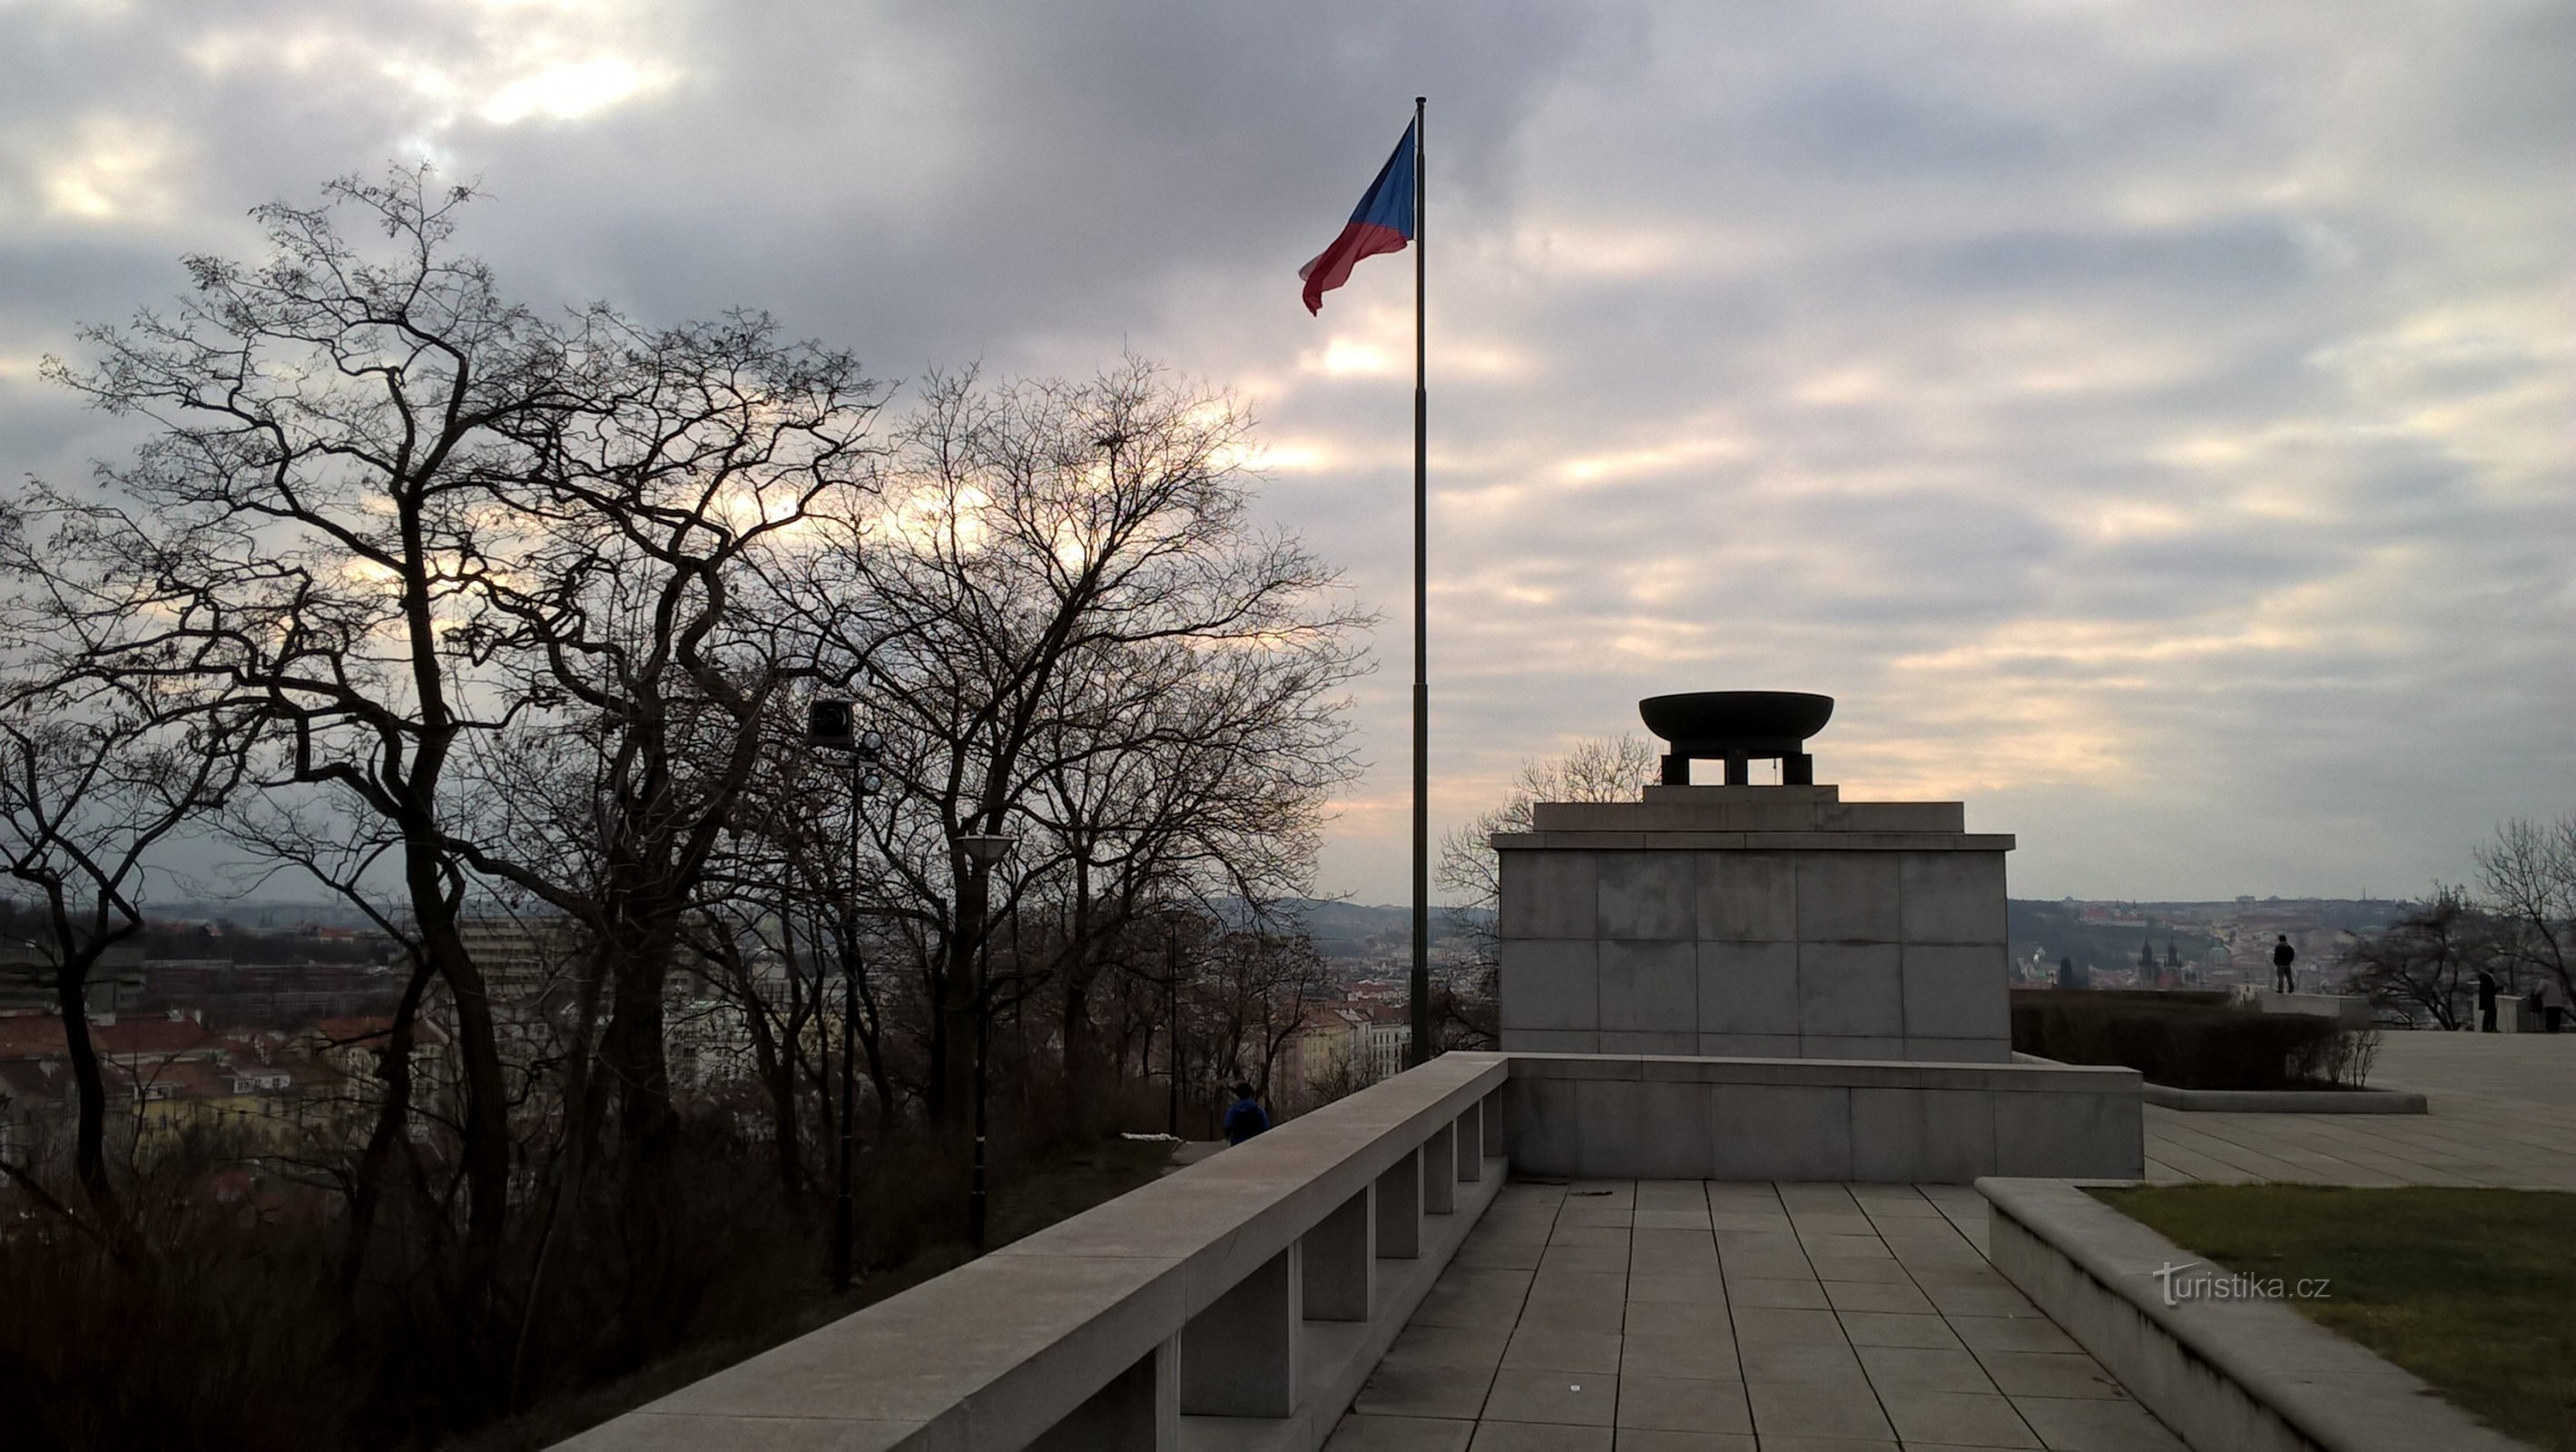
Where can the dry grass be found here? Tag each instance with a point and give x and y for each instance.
(2472, 1290)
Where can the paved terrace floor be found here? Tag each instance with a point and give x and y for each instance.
(2503, 1114)
(1685, 1316)
(1690, 1316)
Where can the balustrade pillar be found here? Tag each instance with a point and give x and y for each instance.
(1139, 1411)
(1341, 1261)
(1440, 1171)
(1399, 1208)
(1239, 1356)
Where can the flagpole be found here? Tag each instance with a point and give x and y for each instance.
(1420, 1049)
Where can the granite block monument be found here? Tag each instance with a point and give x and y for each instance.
(1757, 921)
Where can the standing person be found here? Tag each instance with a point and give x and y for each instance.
(1246, 1118)
(2486, 1002)
(2553, 1006)
(2283, 955)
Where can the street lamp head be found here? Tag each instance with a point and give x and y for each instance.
(829, 723)
(832, 724)
(986, 849)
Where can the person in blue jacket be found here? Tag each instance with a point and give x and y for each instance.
(1246, 1118)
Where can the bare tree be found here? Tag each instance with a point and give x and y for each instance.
(304, 527)
(1177, 776)
(2426, 963)
(1596, 769)
(642, 620)
(92, 780)
(1266, 984)
(2529, 876)
(486, 610)
(1053, 550)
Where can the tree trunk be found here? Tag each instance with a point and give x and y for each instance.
(393, 1116)
(89, 1153)
(952, 1045)
(632, 1049)
(777, 1073)
(486, 1110)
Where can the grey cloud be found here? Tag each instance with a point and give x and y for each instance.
(2210, 261)
(1949, 285)
(1866, 124)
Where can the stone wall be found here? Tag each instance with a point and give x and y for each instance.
(1604, 1117)
(1775, 922)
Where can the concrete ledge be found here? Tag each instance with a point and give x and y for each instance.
(1601, 1116)
(2286, 1101)
(2036, 1077)
(2224, 1374)
(1075, 1336)
(1771, 841)
(2354, 1012)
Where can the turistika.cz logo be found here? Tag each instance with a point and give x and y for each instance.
(2218, 1285)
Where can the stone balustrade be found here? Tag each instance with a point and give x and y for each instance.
(1236, 1304)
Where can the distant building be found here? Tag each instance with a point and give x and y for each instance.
(522, 959)
(1344, 1046)
(165, 1075)
(27, 976)
(1381, 1048)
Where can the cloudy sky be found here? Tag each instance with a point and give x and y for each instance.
(2152, 421)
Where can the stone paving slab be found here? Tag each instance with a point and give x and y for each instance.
(1707, 1316)
(2502, 1114)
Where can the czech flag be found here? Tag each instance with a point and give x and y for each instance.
(1382, 222)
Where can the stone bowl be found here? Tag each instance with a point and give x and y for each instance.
(1753, 720)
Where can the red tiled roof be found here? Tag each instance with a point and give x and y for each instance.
(343, 1031)
(30, 1036)
(155, 1037)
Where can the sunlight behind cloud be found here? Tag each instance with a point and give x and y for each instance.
(571, 89)
(114, 172)
(1349, 357)
(1639, 463)
(1300, 457)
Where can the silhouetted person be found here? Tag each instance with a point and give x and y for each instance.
(1246, 1118)
(2486, 1002)
(2283, 955)
(2066, 974)
(2553, 1006)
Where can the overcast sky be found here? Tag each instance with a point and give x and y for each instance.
(2153, 422)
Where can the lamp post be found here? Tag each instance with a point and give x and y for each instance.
(831, 724)
(1172, 1024)
(986, 851)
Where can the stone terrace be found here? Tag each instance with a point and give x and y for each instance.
(1700, 1316)
(1659, 1315)
(2503, 1115)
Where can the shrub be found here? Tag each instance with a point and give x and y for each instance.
(2191, 1041)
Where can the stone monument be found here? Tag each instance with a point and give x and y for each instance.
(1753, 921)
